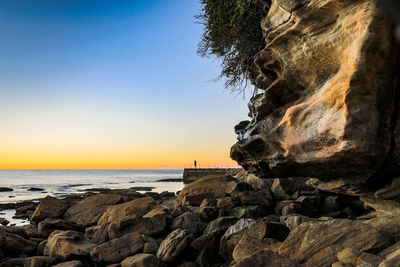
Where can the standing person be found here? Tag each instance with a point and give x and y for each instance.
(195, 163)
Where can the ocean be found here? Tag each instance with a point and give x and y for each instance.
(61, 182)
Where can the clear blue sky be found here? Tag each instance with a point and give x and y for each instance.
(109, 84)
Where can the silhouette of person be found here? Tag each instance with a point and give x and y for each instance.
(195, 163)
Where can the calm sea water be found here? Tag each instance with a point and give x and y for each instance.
(61, 182)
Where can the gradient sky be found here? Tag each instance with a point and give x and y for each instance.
(110, 84)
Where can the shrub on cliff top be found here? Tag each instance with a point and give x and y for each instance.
(232, 33)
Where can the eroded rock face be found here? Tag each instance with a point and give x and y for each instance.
(328, 73)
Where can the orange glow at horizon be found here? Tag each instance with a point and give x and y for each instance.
(79, 157)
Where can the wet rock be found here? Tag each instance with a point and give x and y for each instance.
(6, 189)
(194, 223)
(208, 187)
(174, 245)
(35, 189)
(89, 210)
(266, 258)
(247, 246)
(49, 207)
(142, 188)
(118, 249)
(47, 226)
(4, 221)
(141, 260)
(66, 245)
(24, 209)
(317, 243)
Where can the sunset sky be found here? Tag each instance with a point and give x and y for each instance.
(110, 85)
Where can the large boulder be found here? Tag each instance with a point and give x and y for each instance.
(220, 224)
(47, 226)
(153, 222)
(174, 245)
(138, 206)
(49, 207)
(328, 72)
(317, 243)
(14, 242)
(118, 249)
(66, 245)
(210, 187)
(247, 246)
(253, 228)
(190, 221)
(89, 210)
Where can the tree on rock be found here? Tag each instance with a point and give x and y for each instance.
(232, 33)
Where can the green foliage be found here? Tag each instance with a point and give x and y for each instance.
(232, 33)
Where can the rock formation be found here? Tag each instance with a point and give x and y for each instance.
(328, 107)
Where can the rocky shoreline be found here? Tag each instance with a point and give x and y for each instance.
(215, 221)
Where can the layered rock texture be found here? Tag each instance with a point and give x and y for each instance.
(328, 107)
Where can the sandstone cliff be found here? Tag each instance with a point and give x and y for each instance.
(329, 106)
